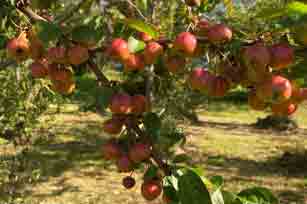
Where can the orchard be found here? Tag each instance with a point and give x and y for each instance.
(161, 49)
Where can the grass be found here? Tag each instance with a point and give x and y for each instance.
(71, 170)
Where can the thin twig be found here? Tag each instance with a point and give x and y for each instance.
(100, 76)
(136, 8)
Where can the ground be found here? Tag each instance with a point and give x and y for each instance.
(70, 169)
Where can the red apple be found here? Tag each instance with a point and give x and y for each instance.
(152, 51)
(139, 152)
(63, 87)
(121, 103)
(219, 33)
(128, 182)
(186, 42)
(276, 90)
(58, 73)
(18, 48)
(124, 164)
(119, 49)
(138, 104)
(134, 62)
(78, 55)
(282, 55)
(257, 56)
(145, 37)
(39, 69)
(284, 109)
(112, 126)
(57, 55)
(111, 150)
(151, 189)
(199, 79)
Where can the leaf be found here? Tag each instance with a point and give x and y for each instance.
(258, 195)
(104, 95)
(142, 27)
(229, 198)
(86, 34)
(171, 193)
(217, 181)
(3, 41)
(135, 45)
(192, 190)
(297, 8)
(152, 124)
(229, 7)
(151, 173)
(182, 158)
(47, 32)
(217, 197)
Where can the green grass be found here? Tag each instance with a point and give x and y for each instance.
(71, 170)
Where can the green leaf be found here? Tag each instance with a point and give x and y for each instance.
(104, 95)
(135, 45)
(229, 7)
(3, 41)
(192, 190)
(142, 27)
(152, 124)
(182, 158)
(86, 34)
(217, 197)
(151, 173)
(47, 32)
(229, 198)
(217, 181)
(297, 8)
(171, 193)
(258, 195)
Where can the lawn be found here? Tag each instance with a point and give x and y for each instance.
(70, 169)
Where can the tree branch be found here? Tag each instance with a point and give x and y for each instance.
(100, 76)
(26, 10)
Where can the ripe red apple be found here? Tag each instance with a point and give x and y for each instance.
(78, 55)
(257, 56)
(138, 104)
(199, 79)
(119, 49)
(193, 2)
(112, 126)
(175, 64)
(151, 189)
(134, 62)
(111, 150)
(39, 69)
(128, 182)
(233, 73)
(186, 42)
(58, 73)
(276, 90)
(145, 37)
(152, 51)
(36, 46)
(284, 109)
(218, 86)
(282, 55)
(203, 26)
(219, 33)
(254, 102)
(57, 55)
(124, 164)
(18, 48)
(139, 152)
(121, 103)
(64, 87)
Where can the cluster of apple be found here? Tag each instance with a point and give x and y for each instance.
(125, 111)
(54, 63)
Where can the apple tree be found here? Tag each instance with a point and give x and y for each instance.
(166, 53)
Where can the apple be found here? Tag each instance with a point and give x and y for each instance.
(39, 69)
(64, 87)
(186, 42)
(151, 189)
(175, 64)
(133, 63)
(138, 104)
(124, 164)
(218, 86)
(18, 48)
(282, 55)
(121, 103)
(199, 79)
(119, 49)
(128, 182)
(112, 126)
(78, 55)
(152, 51)
(284, 109)
(145, 37)
(58, 73)
(57, 55)
(111, 150)
(139, 152)
(219, 33)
